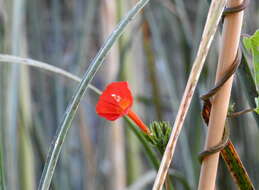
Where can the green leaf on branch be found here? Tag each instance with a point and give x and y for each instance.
(252, 45)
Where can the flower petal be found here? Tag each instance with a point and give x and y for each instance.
(115, 101)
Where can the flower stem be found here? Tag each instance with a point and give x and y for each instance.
(138, 122)
(151, 155)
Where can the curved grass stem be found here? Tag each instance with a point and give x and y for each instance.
(30, 62)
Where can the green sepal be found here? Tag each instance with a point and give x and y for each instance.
(160, 134)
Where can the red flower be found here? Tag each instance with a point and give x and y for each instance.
(116, 101)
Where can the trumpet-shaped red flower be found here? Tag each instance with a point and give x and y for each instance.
(116, 101)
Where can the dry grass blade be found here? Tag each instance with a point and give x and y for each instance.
(236, 168)
(213, 19)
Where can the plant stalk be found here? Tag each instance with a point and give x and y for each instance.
(230, 40)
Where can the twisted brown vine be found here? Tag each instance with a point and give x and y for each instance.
(206, 97)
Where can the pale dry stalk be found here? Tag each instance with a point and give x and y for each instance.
(116, 133)
(230, 42)
(213, 18)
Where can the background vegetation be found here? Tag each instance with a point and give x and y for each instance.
(154, 55)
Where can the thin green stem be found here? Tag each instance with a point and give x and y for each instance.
(142, 139)
(65, 125)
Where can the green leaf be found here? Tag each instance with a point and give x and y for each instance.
(252, 44)
(257, 105)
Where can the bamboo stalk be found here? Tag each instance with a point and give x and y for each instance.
(213, 18)
(231, 34)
